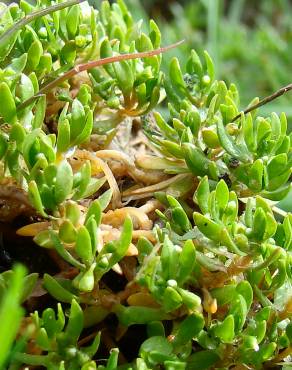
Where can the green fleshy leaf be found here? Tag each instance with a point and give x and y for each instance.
(7, 110)
(64, 181)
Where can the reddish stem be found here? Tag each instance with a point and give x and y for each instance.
(93, 64)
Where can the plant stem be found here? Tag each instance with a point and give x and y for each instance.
(266, 100)
(281, 356)
(93, 64)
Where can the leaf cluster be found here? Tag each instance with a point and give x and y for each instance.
(184, 240)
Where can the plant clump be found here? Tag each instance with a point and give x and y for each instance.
(151, 194)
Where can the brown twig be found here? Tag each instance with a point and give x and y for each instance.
(281, 356)
(93, 64)
(264, 101)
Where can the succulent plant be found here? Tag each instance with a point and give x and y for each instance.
(160, 222)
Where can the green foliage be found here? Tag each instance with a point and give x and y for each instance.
(226, 29)
(11, 313)
(88, 256)
(201, 133)
(165, 275)
(204, 265)
(60, 341)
